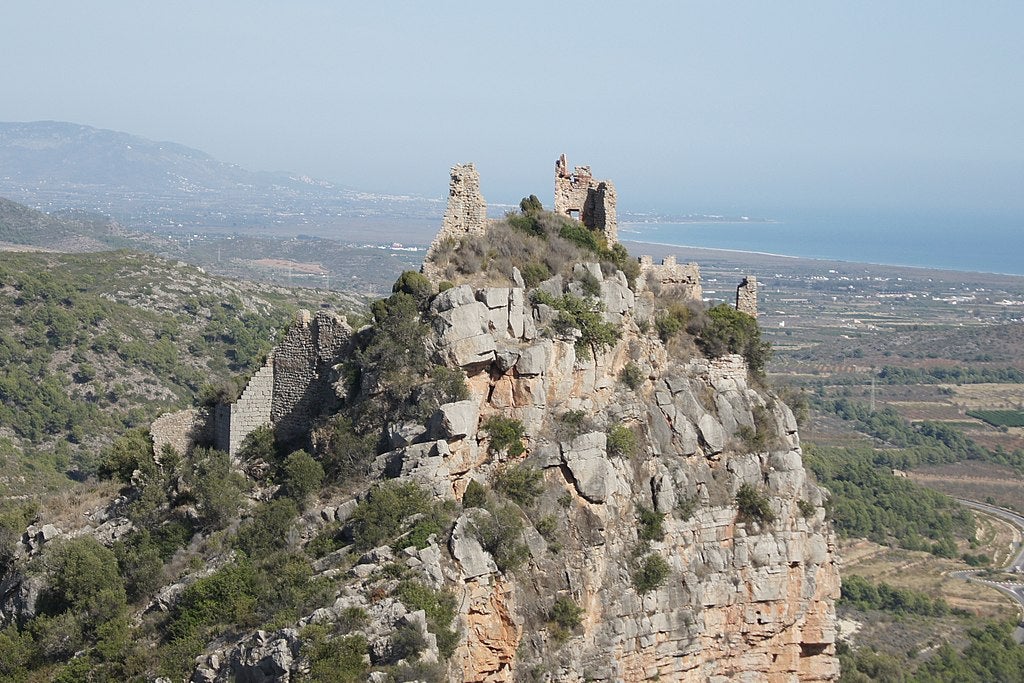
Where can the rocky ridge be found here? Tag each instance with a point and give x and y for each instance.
(662, 526)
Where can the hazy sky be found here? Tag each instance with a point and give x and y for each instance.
(718, 107)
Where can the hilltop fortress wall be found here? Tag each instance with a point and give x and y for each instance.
(292, 388)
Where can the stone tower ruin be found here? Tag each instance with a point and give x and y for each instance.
(465, 216)
(580, 196)
(746, 296)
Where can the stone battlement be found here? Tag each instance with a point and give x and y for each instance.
(671, 278)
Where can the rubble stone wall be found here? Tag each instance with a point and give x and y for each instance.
(746, 296)
(303, 362)
(670, 278)
(592, 202)
(182, 430)
(466, 214)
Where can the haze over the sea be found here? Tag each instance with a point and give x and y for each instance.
(907, 113)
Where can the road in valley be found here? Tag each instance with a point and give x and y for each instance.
(1015, 589)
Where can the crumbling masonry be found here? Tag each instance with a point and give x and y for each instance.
(292, 389)
(671, 279)
(746, 296)
(581, 196)
(466, 214)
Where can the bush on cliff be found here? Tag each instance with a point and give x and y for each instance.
(754, 505)
(582, 315)
(650, 573)
(730, 331)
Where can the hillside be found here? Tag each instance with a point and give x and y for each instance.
(68, 231)
(92, 344)
(552, 465)
(54, 165)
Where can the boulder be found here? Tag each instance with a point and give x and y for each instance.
(533, 360)
(455, 420)
(594, 476)
(712, 433)
(473, 560)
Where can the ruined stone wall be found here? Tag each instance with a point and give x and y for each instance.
(465, 216)
(746, 296)
(590, 201)
(182, 430)
(303, 375)
(251, 410)
(670, 278)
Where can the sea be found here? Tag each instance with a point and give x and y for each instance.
(965, 242)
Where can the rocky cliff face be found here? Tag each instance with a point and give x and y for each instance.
(669, 530)
(744, 598)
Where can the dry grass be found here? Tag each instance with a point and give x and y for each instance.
(924, 572)
(73, 508)
(974, 481)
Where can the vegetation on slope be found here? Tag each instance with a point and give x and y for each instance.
(93, 344)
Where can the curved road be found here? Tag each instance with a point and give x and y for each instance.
(1015, 589)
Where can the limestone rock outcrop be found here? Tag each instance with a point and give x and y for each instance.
(744, 599)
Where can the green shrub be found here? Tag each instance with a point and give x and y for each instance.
(572, 423)
(268, 528)
(590, 284)
(217, 488)
(500, 533)
(80, 574)
(581, 236)
(527, 223)
(673, 319)
(575, 313)
(335, 660)
(521, 483)
(475, 495)
(806, 508)
(131, 452)
(754, 505)
(621, 441)
(259, 444)
(347, 453)
(407, 642)
(629, 266)
(17, 650)
(530, 205)
(302, 476)
(415, 284)
(439, 608)
(632, 376)
(534, 273)
(650, 573)
(686, 507)
(506, 435)
(564, 617)
(730, 331)
(381, 516)
(652, 524)
(326, 541)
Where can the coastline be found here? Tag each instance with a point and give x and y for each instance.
(750, 257)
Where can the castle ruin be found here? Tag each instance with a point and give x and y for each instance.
(671, 279)
(590, 201)
(292, 388)
(746, 296)
(465, 215)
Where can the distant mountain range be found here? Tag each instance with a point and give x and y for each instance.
(51, 165)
